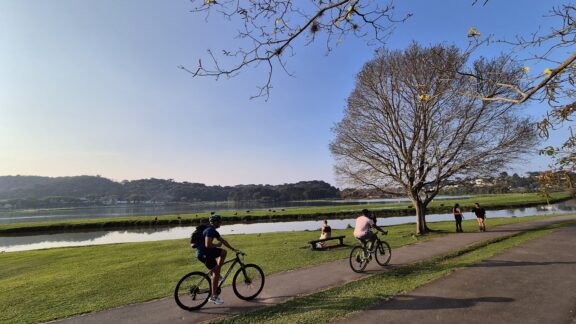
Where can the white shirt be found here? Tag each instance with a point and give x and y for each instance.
(363, 225)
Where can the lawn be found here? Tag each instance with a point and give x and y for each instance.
(42, 285)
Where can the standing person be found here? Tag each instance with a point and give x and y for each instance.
(325, 233)
(362, 230)
(212, 255)
(458, 217)
(480, 216)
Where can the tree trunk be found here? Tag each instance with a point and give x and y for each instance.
(421, 227)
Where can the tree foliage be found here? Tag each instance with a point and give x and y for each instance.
(411, 122)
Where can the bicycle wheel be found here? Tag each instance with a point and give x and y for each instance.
(358, 259)
(383, 253)
(248, 281)
(192, 291)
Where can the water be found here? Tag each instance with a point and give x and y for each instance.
(26, 216)
(34, 242)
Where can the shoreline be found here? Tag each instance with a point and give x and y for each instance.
(443, 206)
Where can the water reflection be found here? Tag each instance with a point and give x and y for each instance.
(34, 242)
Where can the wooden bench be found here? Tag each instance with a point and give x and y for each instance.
(314, 244)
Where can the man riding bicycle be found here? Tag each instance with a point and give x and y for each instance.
(362, 230)
(212, 255)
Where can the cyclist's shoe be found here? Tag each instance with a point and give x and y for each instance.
(216, 300)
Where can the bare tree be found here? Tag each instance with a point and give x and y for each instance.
(410, 124)
(273, 27)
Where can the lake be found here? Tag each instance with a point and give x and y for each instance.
(44, 241)
(44, 215)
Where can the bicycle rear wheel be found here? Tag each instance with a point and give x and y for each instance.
(248, 281)
(383, 253)
(192, 291)
(358, 259)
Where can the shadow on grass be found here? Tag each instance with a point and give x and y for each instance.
(412, 302)
(506, 263)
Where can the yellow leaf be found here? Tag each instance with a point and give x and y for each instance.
(547, 71)
(473, 32)
(526, 69)
(276, 21)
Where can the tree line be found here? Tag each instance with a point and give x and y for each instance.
(38, 192)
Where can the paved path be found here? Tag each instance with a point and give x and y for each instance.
(532, 283)
(288, 285)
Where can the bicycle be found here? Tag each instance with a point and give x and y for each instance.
(193, 290)
(360, 256)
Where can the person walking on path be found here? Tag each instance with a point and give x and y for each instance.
(458, 217)
(325, 233)
(212, 255)
(362, 230)
(480, 216)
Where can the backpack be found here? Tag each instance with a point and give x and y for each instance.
(196, 238)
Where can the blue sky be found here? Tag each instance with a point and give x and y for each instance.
(93, 87)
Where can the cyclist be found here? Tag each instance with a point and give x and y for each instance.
(362, 230)
(212, 255)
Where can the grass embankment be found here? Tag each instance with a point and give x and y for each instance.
(42, 285)
(343, 211)
(344, 301)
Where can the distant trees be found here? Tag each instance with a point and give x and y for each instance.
(33, 192)
(411, 123)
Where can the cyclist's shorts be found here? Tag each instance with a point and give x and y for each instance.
(366, 237)
(210, 256)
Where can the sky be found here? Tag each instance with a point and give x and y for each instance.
(94, 88)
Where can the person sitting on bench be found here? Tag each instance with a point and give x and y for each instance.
(326, 233)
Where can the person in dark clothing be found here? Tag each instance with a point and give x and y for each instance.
(458, 217)
(480, 216)
(210, 253)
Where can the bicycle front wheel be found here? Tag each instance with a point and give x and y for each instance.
(192, 291)
(358, 259)
(383, 253)
(248, 281)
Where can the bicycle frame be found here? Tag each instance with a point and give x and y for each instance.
(234, 261)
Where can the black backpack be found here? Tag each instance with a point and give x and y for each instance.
(196, 238)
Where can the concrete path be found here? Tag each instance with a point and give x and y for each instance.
(284, 286)
(532, 283)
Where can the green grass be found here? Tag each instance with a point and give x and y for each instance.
(344, 301)
(42, 285)
(382, 210)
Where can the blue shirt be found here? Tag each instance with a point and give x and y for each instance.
(210, 231)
